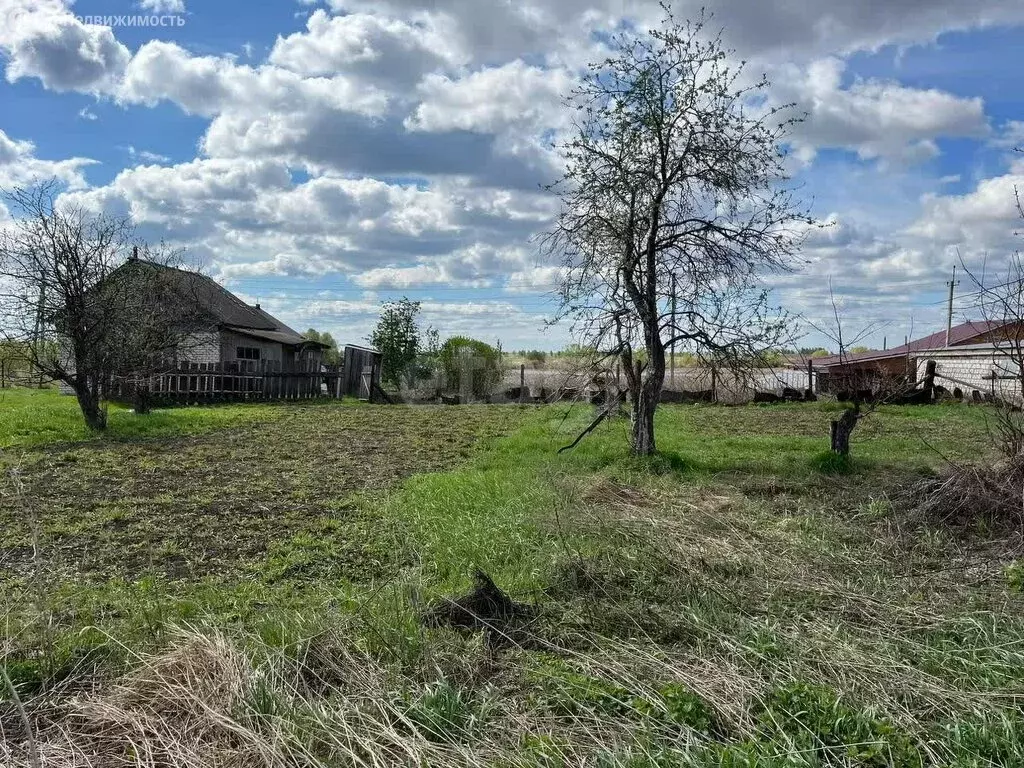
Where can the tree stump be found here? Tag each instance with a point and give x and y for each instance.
(842, 428)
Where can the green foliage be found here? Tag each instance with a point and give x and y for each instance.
(660, 463)
(814, 719)
(574, 693)
(535, 357)
(470, 366)
(543, 751)
(331, 355)
(13, 362)
(685, 707)
(397, 338)
(442, 713)
(771, 358)
(1014, 573)
(994, 738)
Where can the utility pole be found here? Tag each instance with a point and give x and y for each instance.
(949, 315)
(672, 349)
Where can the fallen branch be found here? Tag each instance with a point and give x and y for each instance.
(594, 424)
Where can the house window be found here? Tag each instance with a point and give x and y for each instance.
(247, 353)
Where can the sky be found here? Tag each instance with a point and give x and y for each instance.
(323, 157)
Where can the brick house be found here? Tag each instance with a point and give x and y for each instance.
(973, 350)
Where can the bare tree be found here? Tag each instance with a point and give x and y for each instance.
(864, 386)
(82, 310)
(1000, 300)
(673, 194)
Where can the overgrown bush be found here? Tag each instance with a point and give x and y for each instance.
(472, 368)
(535, 357)
(971, 493)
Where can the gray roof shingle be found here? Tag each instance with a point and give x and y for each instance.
(223, 307)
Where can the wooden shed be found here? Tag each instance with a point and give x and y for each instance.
(361, 377)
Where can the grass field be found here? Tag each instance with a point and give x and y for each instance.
(243, 586)
(41, 416)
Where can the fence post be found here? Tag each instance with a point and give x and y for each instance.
(810, 374)
(714, 385)
(522, 383)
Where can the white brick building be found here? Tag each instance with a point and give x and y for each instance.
(988, 368)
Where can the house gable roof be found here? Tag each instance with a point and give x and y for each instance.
(224, 308)
(958, 335)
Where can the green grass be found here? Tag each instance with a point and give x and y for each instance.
(35, 417)
(737, 600)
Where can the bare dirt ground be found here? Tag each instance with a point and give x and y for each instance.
(187, 506)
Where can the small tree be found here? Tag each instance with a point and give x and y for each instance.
(1001, 304)
(80, 308)
(472, 368)
(332, 355)
(12, 363)
(672, 199)
(864, 387)
(397, 338)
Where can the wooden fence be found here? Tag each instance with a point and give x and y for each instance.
(232, 381)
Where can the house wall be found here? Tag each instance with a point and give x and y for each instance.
(229, 341)
(972, 370)
(867, 375)
(200, 348)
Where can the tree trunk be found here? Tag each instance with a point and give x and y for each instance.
(89, 401)
(645, 385)
(842, 428)
(641, 439)
(645, 396)
(142, 399)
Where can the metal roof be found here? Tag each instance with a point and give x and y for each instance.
(958, 335)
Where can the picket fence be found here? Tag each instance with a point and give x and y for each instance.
(241, 380)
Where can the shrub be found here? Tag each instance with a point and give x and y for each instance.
(470, 366)
(970, 494)
(535, 357)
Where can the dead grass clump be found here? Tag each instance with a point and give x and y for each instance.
(966, 494)
(606, 492)
(176, 710)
